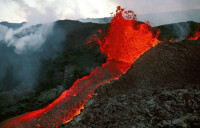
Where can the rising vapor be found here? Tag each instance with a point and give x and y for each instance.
(21, 52)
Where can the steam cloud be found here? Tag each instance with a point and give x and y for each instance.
(21, 52)
(25, 39)
(182, 30)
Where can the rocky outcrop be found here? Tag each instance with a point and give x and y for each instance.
(165, 109)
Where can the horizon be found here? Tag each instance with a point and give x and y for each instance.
(92, 18)
(35, 11)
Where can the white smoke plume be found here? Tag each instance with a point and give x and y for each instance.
(21, 52)
(27, 38)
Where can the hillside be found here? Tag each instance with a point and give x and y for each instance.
(60, 60)
(160, 90)
(12, 25)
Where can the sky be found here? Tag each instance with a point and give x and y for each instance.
(42, 11)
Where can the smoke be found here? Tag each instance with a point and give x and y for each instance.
(21, 52)
(182, 30)
(28, 38)
(3, 30)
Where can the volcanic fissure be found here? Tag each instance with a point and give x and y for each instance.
(124, 42)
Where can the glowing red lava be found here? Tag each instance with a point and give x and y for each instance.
(125, 41)
(196, 34)
(195, 37)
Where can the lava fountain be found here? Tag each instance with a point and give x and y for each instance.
(124, 42)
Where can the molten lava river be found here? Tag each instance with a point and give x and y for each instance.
(124, 42)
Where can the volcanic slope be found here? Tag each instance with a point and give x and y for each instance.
(57, 74)
(162, 89)
(85, 30)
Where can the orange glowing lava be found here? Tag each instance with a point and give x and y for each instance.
(195, 37)
(196, 34)
(125, 41)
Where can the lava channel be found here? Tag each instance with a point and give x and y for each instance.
(124, 42)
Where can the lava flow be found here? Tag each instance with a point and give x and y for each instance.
(124, 42)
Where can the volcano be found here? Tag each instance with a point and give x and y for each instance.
(123, 35)
(123, 42)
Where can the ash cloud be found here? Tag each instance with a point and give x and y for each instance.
(21, 52)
